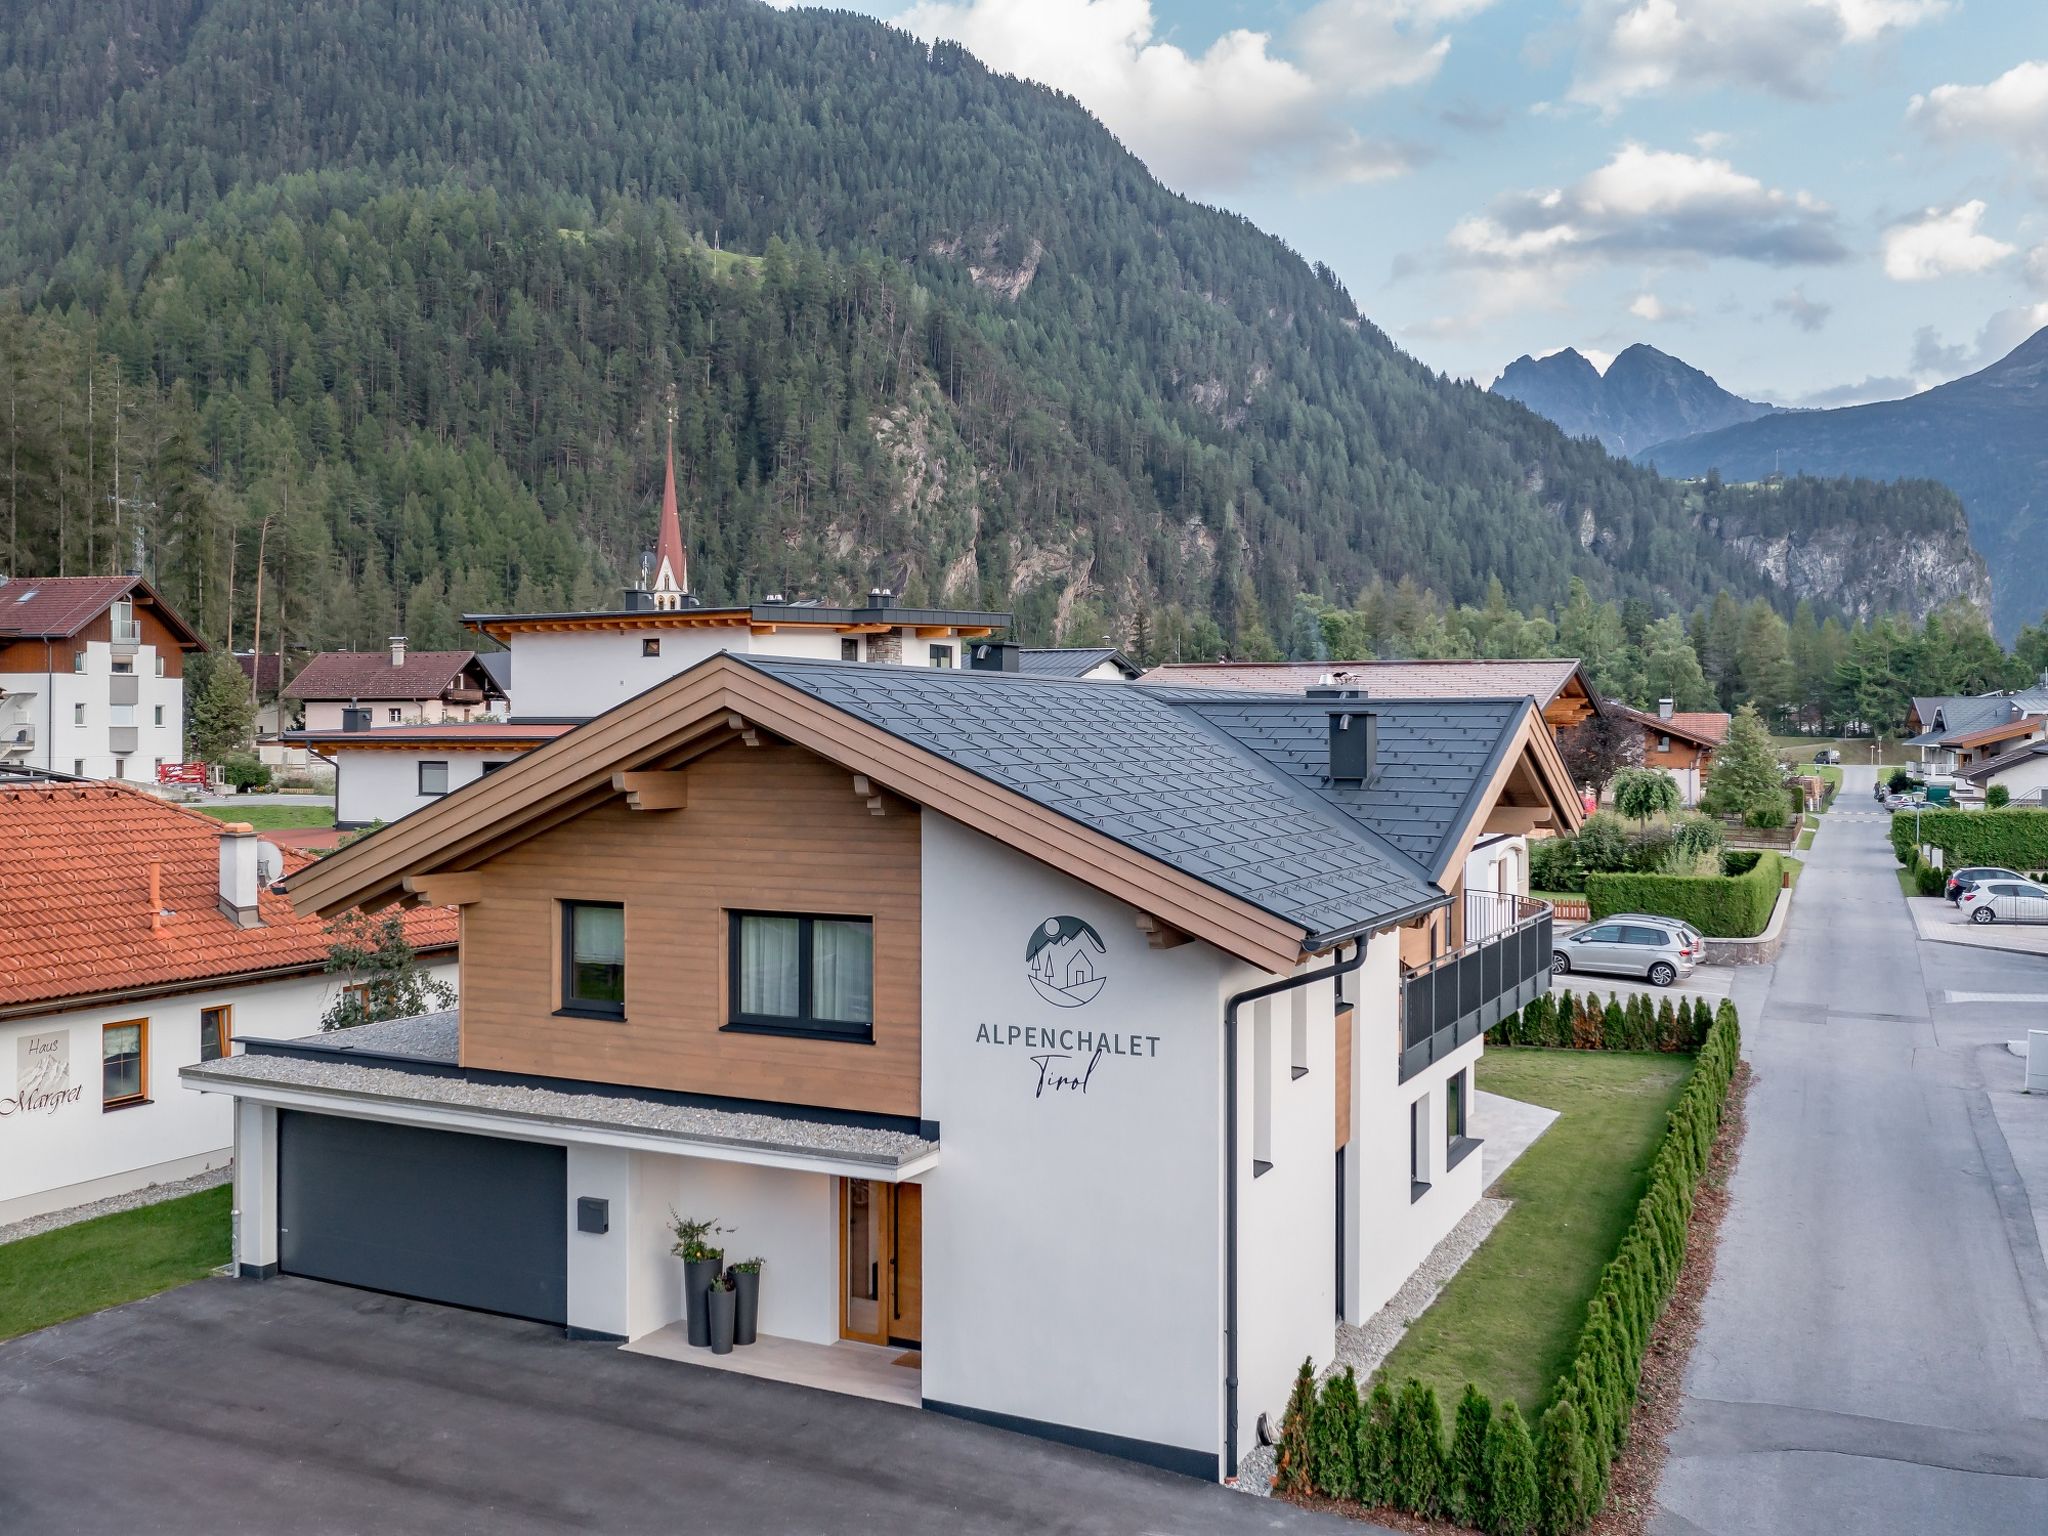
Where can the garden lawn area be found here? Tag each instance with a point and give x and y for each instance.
(1509, 1319)
(111, 1259)
(1806, 838)
(273, 818)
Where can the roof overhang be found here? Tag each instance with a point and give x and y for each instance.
(1528, 764)
(719, 701)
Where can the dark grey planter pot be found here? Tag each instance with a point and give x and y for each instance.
(748, 1314)
(724, 1306)
(697, 1277)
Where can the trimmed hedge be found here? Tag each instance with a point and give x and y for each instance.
(2009, 839)
(1719, 906)
(1491, 1474)
(1561, 1021)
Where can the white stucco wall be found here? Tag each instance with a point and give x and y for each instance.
(48, 703)
(77, 1151)
(1072, 1234)
(384, 784)
(2023, 778)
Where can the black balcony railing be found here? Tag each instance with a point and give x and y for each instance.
(1503, 966)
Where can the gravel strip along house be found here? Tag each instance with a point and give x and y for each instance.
(1074, 1053)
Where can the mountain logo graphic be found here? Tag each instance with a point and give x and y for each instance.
(1064, 962)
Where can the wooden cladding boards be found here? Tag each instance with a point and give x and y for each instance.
(768, 828)
(1347, 1019)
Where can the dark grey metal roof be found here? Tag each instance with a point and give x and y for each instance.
(1962, 715)
(1072, 660)
(806, 611)
(1138, 765)
(499, 665)
(1435, 757)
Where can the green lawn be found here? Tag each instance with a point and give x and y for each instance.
(1510, 1317)
(111, 1259)
(272, 818)
(1806, 838)
(1908, 881)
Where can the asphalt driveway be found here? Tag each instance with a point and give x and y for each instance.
(225, 1407)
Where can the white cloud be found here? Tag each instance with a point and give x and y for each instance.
(1713, 139)
(1636, 48)
(2012, 110)
(2037, 266)
(1206, 119)
(1941, 242)
(1658, 203)
(1807, 314)
(1935, 360)
(1647, 306)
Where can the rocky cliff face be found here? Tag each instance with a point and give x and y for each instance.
(1864, 575)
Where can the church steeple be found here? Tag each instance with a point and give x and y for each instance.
(671, 560)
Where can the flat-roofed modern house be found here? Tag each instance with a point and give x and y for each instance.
(1074, 1053)
(137, 938)
(92, 676)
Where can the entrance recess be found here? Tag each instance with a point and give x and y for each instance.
(881, 1262)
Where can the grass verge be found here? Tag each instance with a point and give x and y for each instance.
(272, 818)
(1806, 838)
(111, 1259)
(1509, 1319)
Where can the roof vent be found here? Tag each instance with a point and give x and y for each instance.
(398, 650)
(1327, 689)
(1354, 746)
(996, 656)
(880, 597)
(1664, 709)
(773, 599)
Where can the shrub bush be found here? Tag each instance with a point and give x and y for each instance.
(1374, 1461)
(1512, 1507)
(1601, 846)
(1720, 906)
(1997, 798)
(1294, 1456)
(2013, 839)
(1465, 1492)
(1333, 1437)
(244, 770)
(1931, 881)
(1554, 865)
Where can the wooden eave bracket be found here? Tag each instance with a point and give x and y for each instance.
(1159, 935)
(877, 805)
(658, 791)
(748, 734)
(452, 888)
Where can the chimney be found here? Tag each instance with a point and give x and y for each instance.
(880, 597)
(639, 600)
(240, 878)
(398, 650)
(1354, 746)
(1663, 709)
(996, 656)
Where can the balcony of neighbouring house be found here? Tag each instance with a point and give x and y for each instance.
(1502, 967)
(462, 696)
(16, 736)
(124, 636)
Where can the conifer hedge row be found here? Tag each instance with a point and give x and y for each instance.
(1388, 1449)
(1565, 1022)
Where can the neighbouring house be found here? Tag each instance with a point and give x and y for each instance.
(366, 690)
(391, 771)
(1682, 742)
(137, 938)
(2023, 772)
(1073, 1053)
(93, 673)
(1952, 735)
(274, 713)
(1097, 663)
(498, 665)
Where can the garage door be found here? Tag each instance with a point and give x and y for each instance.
(475, 1221)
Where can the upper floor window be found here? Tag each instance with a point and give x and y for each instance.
(121, 666)
(942, 656)
(1663, 743)
(802, 974)
(78, 661)
(434, 778)
(159, 714)
(594, 958)
(78, 714)
(849, 649)
(124, 1063)
(651, 646)
(159, 666)
(216, 1031)
(395, 716)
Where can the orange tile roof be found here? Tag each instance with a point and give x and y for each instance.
(74, 899)
(1707, 727)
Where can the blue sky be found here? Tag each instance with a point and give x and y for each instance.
(1817, 201)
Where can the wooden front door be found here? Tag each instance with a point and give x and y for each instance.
(881, 1262)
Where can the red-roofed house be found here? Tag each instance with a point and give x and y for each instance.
(92, 676)
(392, 687)
(1681, 742)
(137, 938)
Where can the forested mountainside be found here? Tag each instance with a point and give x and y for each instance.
(389, 302)
(1984, 436)
(1644, 397)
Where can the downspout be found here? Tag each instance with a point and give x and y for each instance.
(1230, 1007)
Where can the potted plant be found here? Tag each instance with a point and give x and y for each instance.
(722, 1305)
(746, 1278)
(701, 1264)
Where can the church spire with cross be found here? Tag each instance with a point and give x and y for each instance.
(671, 561)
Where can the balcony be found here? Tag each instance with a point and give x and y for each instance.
(124, 636)
(1461, 995)
(16, 737)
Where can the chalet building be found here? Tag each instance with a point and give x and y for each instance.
(92, 677)
(572, 666)
(137, 938)
(1681, 742)
(365, 690)
(1957, 735)
(1073, 1053)
(2022, 772)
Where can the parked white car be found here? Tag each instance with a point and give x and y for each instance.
(2006, 901)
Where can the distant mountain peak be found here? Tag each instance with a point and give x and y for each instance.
(1645, 396)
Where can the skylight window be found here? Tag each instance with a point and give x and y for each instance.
(31, 592)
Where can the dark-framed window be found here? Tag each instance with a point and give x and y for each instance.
(802, 973)
(651, 646)
(849, 649)
(1454, 1109)
(216, 1033)
(942, 656)
(594, 958)
(124, 1063)
(434, 778)
(494, 767)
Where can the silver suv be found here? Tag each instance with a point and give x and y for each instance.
(1658, 949)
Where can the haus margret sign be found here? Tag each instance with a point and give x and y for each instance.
(42, 1077)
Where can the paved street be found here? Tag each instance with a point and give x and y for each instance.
(226, 1407)
(1873, 1356)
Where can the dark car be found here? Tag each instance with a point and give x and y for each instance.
(1960, 880)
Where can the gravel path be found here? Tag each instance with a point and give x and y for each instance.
(1363, 1346)
(149, 1194)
